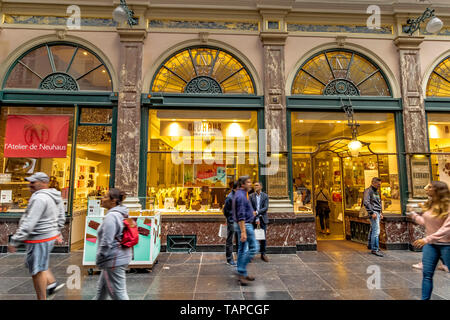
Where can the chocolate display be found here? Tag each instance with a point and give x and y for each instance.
(143, 231)
(94, 225)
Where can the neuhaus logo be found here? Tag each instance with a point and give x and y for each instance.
(36, 136)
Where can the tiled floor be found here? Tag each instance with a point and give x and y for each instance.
(338, 270)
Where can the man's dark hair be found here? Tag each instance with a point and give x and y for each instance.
(242, 180)
(235, 185)
(116, 194)
(376, 179)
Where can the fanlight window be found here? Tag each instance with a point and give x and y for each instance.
(439, 82)
(203, 70)
(338, 72)
(59, 67)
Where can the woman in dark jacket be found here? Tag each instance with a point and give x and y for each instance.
(112, 258)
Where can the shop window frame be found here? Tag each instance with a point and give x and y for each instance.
(309, 103)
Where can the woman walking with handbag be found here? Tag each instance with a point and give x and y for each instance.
(436, 244)
(112, 258)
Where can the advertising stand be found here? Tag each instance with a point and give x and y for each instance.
(145, 253)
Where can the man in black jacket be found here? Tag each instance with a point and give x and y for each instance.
(372, 203)
(260, 203)
(228, 212)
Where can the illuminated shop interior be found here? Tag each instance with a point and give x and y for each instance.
(322, 160)
(194, 155)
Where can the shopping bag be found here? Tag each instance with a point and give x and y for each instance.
(260, 234)
(223, 231)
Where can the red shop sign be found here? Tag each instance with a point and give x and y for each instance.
(36, 136)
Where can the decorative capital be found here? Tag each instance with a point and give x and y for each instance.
(131, 35)
(273, 38)
(408, 43)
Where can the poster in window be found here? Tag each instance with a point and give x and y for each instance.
(213, 175)
(444, 168)
(36, 136)
(420, 173)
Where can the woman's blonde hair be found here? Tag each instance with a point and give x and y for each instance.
(439, 201)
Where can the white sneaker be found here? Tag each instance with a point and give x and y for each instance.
(418, 266)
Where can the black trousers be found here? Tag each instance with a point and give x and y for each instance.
(262, 243)
(229, 243)
(323, 211)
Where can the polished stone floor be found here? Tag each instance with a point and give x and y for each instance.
(338, 270)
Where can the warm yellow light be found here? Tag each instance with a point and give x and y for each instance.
(234, 130)
(174, 130)
(85, 53)
(434, 133)
(104, 71)
(204, 120)
(377, 121)
(338, 121)
(354, 146)
(301, 121)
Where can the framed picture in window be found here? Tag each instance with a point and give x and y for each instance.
(20, 165)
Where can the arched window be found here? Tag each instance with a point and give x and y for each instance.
(59, 66)
(203, 70)
(340, 72)
(439, 81)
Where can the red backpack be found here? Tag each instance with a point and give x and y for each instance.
(130, 235)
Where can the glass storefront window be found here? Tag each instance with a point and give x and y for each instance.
(193, 157)
(321, 160)
(439, 138)
(31, 129)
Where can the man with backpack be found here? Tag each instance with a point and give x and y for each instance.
(39, 228)
(372, 203)
(115, 237)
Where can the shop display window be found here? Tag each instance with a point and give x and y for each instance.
(193, 157)
(33, 139)
(439, 139)
(321, 159)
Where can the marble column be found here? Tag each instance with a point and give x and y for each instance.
(275, 119)
(129, 113)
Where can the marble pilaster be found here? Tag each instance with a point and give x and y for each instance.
(414, 119)
(129, 113)
(275, 109)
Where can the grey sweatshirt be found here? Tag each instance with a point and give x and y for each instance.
(109, 250)
(44, 217)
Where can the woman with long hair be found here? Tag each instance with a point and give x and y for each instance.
(436, 244)
(112, 258)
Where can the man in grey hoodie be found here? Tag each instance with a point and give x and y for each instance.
(39, 227)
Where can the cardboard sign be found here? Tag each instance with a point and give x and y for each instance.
(6, 196)
(36, 136)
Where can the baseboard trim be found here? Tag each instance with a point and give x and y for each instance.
(221, 249)
(412, 248)
(394, 246)
(306, 247)
(21, 249)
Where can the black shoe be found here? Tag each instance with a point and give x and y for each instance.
(56, 286)
(378, 253)
(231, 263)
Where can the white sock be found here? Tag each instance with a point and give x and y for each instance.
(52, 285)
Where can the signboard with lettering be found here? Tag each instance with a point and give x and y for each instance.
(420, 176)
(36, 136)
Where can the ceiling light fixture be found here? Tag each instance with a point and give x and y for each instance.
(354, 145)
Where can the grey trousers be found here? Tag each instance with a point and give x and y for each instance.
(112, 283)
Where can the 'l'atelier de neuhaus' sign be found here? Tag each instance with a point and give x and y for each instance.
(36, 136)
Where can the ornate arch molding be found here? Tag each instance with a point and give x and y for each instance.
(155, 67)
(391, 80)
(432, 69)
(39, 41)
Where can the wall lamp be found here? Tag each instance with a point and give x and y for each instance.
(122, 13)
(433, 26)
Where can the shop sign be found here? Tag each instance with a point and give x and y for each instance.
(204, 128)
(420, 173)
(36, 136)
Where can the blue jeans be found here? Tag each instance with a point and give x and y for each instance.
(430, 258)
(112, 283)
(374, 234)
(246, 250)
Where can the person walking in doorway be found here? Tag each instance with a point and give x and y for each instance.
(372, 203)
(323, 209)
(243, 224)
(260, 204)
(39, 228)
(228, 212)
(112, 258)
(436, 244)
